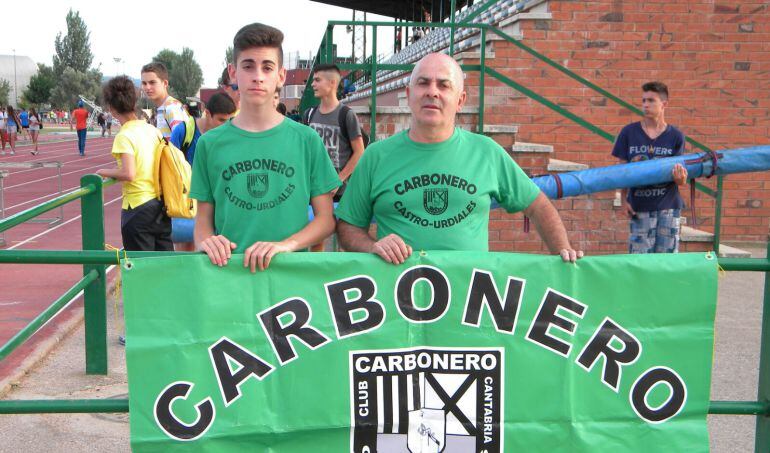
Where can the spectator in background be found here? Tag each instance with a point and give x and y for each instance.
(231, 89)
(35, 121)
(80, 118)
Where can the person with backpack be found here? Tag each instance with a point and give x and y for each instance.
(254, 175)
(144, 224)
(336, 124)
(185, 135)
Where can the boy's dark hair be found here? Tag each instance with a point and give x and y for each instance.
(281, 108)
(656, 87)
(327, 67)
(220, 103)
(224, 80)
(258, 35)
(158, 68)
(120, 94)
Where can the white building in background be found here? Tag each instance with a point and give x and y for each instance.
(18, 79)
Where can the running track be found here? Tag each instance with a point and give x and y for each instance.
(26, 290)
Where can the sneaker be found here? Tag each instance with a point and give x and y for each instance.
(2, 153)
(122, 340)
(34, 153)
(13, 153)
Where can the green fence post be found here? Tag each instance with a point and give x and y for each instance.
(762, 437)
(373, 105)
(330, 44)
(95, 294)
(483, 62)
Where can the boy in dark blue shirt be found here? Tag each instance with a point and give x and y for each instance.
(219, 110)
(654, 210)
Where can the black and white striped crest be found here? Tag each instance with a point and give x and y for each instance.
(426, 400)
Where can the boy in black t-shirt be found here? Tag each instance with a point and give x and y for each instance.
(654, 210)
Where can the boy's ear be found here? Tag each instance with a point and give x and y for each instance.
(231, 72)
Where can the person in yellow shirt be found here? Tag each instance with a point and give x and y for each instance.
(144, 224)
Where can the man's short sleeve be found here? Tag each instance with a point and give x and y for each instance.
(200, 188)
(323, 176)
(352, 125)
(122, 145)
(355, 207)
(177, 135)
(516, 191)
(620, 149)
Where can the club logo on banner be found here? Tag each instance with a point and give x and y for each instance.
(257, 184)
(426, 399)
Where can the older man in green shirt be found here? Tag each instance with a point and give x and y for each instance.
(431, 186)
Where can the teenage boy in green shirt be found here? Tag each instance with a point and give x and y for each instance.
(430, 187)
(253, 176)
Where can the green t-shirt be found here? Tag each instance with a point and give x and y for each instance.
(435, 196)
(261, 182)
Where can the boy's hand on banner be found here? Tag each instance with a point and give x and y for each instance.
(392, 249)
(218, 248)
(260, 254)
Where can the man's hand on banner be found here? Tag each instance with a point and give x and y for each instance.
(570, 256)
(218, 248)
(260, 254)
(392, 249)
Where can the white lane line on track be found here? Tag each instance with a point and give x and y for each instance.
(55, 176)
(63, 163)
(57, 226)
(49, 195)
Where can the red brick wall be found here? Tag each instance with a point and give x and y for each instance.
(713, 55)
(715, 58)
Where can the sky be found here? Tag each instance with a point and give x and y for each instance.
(135, 32)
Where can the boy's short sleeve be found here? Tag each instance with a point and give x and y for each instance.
(620, 149)
(200, 188)
(352, 125)
(323, 176)
(355, 207)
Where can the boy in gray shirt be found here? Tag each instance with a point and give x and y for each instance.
(337, 124)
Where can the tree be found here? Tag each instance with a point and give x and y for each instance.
(5, 92)
(40, 85)
(73, 49)
(186, 76)
(228, 55)
(72, 84)
(168, 57)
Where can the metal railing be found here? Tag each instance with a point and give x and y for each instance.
(325, 56)
(95, 260)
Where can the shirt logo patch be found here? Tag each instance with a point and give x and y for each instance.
(257, 184)
(435, 201)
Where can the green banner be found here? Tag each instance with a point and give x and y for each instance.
(449, 352)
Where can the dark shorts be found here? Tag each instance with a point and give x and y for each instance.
(146, 228)
(25, 127)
